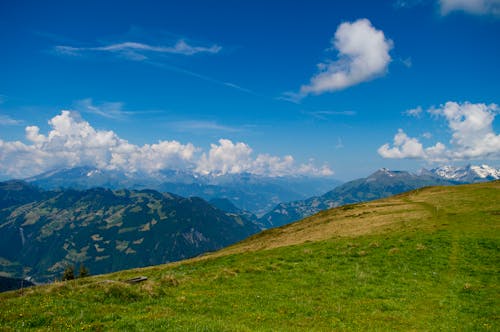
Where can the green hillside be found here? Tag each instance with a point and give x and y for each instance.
(424, 260)
(106, 230)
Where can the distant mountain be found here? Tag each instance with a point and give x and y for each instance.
(7, 283)
(230, 209)
(467, 174)
(257, 194)
(107, 230)
(225, 205)
(382, 183)
(16, 192)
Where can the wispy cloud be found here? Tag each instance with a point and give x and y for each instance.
(323, 115)
(139, 51)
(201, 125)
(152, 54)
(340, 144)
(237, 87)
(446, 7)
(409, 3)
(110, 110)
(475, 7)
(6, 120)
(414, 112)
(191, 73)
(407, 62)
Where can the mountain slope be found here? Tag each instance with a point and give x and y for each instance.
(111, 230)
(425, 260)
(17, 192)
(382, 183)
(7, 284)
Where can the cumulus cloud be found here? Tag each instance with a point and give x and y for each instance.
(472, 127)
(230, 158)
(139, 51)
(477, 7)
(72, 142)
(363, 54)
(409, 147)
(472, 135)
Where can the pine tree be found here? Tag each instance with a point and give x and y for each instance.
(69, 273)
(83, 272)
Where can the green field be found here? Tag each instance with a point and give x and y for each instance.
(425, 260)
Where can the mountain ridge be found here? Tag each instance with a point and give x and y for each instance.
(254, 193)
(110, 230)
(382, 183)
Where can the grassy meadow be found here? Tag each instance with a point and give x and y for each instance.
(424, 260)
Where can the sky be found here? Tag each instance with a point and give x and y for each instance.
(273, 88)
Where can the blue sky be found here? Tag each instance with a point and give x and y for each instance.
(291, 87)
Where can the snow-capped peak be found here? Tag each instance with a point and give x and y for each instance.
(93, 172)
(386, 171)
(485, 171)
(470, 173)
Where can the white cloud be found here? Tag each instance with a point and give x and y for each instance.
(230, 158)
(472, 127)
(72, 142)
(226, 157)
(363, 54)
(138, 51)
(477, 7)
(472, 136)
(404, 147)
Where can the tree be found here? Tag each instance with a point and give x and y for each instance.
(69, 273)
(83, 272)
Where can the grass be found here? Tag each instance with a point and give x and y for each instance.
(426, 260)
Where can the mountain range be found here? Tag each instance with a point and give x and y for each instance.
(250, 192)
(44, 231)
(382, 183)
(467, 174)
(108, 230)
